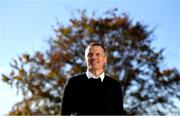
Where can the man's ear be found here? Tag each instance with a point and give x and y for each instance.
(84, 60)
(105, 60)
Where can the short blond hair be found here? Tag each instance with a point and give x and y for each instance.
(97, 44)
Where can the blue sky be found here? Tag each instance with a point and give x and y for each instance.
(26, 25)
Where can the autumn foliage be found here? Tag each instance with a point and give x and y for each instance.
(148, 87)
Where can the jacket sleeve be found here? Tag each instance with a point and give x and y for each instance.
(121, 101)
(119, 104)
(67, 100)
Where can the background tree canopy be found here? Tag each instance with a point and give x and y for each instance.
(148, 88)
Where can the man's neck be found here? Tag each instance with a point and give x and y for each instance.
(96, 72)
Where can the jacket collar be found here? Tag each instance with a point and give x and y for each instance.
(90, 75)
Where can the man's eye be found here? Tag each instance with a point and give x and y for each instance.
(89, 55)
(98, 54)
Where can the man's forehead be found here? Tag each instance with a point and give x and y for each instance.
(94, 50)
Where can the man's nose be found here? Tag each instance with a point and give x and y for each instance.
(93, 57)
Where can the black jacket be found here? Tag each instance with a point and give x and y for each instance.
(83, 96)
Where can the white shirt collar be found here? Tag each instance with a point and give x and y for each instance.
(90, 75)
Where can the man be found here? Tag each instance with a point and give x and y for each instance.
(93, 93)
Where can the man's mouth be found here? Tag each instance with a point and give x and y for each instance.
(94, 63)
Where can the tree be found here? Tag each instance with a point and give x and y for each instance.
(148, 88)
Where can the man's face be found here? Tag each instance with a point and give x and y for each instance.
(95, 58)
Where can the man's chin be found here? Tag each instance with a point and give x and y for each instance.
(93, 68)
